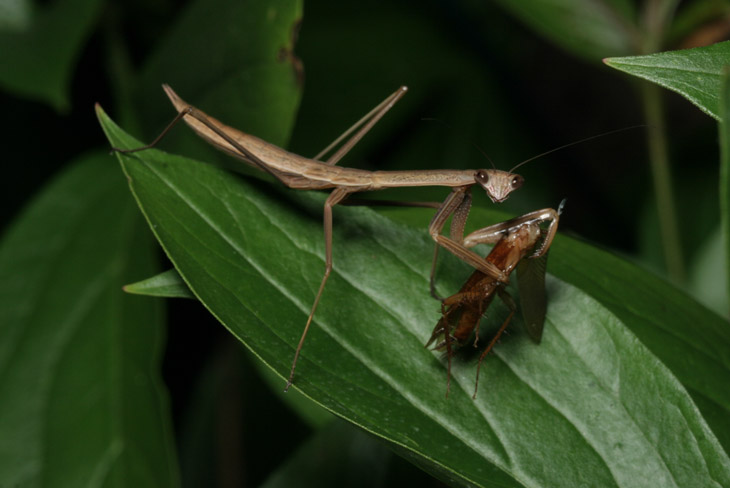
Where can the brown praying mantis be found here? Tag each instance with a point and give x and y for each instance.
(302, 173)
(520, 242)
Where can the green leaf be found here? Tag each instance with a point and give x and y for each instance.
(326, 460)
(226, 388)
(15, 14)
(725, 171)
(709, 274)
(696, 74)
(166, 284)
(579, 409)
(41, 45)
(687, 337)
(590, 29)
(245, 71)
(81, 400)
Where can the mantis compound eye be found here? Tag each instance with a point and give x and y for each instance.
(517, 182)
(482, 177)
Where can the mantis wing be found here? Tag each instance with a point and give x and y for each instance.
(533, 302)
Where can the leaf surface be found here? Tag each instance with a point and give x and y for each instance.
(81, 399)
(696, 74)
(41, 44)
(166, 284)
(724, 136)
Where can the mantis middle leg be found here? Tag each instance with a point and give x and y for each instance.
(337, 195)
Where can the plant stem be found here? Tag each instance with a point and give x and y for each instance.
(662, 177)
(657, 16)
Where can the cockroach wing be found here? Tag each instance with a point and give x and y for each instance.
(533, 301)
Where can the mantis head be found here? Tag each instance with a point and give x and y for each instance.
(497, 183)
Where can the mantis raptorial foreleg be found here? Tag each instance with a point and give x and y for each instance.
(460, 214)
(493, 233)
(458, 204)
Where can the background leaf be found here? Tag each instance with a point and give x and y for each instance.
(696, 74)
(245, 249)
(166, 284)
(706, 283)
(41, 45)
(81, 399)
(725, 170)
(312, 464)
(588, 29)
(247, 71)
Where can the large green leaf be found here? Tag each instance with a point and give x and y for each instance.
(725, 170)
(245, 70)
(591, 29)
(589, 406)
(81, 400)
(40, 45)
(696, 74)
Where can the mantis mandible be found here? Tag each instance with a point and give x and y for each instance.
(302, 173)
(519, 241)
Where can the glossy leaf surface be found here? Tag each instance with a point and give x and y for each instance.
(696, 74)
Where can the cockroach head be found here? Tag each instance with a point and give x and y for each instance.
(497, 183)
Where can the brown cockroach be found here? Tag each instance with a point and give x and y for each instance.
(518, 243)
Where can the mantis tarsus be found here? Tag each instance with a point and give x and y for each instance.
(516, 239)
(302, 173)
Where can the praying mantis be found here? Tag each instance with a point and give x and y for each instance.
(301, 173)
(518, 242)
